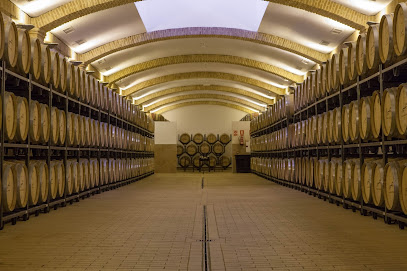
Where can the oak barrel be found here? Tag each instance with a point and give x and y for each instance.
(22, 119)
(386, 39)
(372, 47)
(9, 187)
(361, 65)
(24, 51)
(35, 121)
(400, 28)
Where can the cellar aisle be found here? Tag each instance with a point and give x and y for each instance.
(157, 223)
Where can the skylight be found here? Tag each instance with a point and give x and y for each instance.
(164, 14)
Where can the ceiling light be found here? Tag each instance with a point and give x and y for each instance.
(336, 31)
(69, 30)
(80, 42)
(103, 60)
(324, 42)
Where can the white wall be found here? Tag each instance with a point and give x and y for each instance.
(165, 132)
(204, 119)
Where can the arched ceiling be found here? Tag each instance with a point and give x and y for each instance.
(187, 89)
(229, 56)
(179, 104)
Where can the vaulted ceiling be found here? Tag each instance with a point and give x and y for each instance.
(166, 54)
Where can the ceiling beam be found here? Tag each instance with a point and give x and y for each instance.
(199, 75)
(201, 32)
(209, 58)
(175, 106)
(202, 96)
(195, 88)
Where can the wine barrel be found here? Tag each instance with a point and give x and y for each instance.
(9, 187)
(337, 125)
(22, 118)
(328, 72)
(185, 138)
(61, 127)
(356, 186)
(403, 190)
(21, 172)
(196, 161)
(361, 65)
(70, 137)
(11, 43)
(330, 126)
(55, 69)
(86, 125)
(45, 64)
(354, 121)
(400, 29)
(224, 161)
(365, 118)
(339, 178)
(327, 171)
(386, 45)
(81, 177)
(352, 72)
(11, 118)
(45, 123)
(60, 177)
(35, 67)
(377, 185)
(82, 133)
(322, 79)
(191, 149)
(205, 148)
(345, 123)
(54, 126)
(401, 109)
(198, 138)
(389, 112)
(85, 168)
(65, 76)
(72, 86)
(372, 47)
(335, 72)
(376, 107)
(368, 171)
(53, 181)
(218, 148)
(33, 184)
(24, 51)
(78, 129)
(393, 173)
(70, 180)
(343, 66)
(3, 44)
(348, 175)
(224, 138)
(184, 161)
(333, 166)
(325, 123)
(42, 175)
(35, 121)
(80, 83)
(92, 175)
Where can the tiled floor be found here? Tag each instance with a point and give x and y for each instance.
(157, 224)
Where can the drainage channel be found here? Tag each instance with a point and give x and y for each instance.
(205, 242)
(206, 265)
